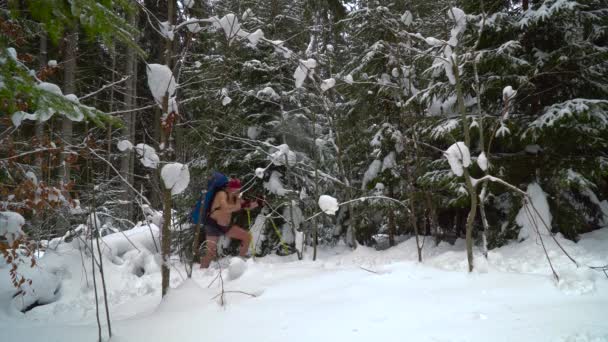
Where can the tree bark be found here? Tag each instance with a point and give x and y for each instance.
(467, 177)
(69, 87)
(128, 130)
(165, 135)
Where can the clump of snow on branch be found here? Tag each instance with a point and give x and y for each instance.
(50, 87)
(432, 41)
(371, 173)
(458, 156)
(274, 184)
(304, 69)
(230, 24)
(189, 3)
(259, 172)
(255, 36)
(328, 204)
(160, 81)
(148, 156)
(268, 93)
(460, 21)
(460, 24)
(389, 161)
(10, 225)
(348, 79)
(407, 18)
(328, 84)
(166, 30)
(124, 145)
(19, 116)
(225, 98)
(508, 93)
(253, 132)
(282, 155)
(31, 177)
(503, 131)
(530, 219)
(482, 161)
(194, 27)
(176, 177)
(248, 13)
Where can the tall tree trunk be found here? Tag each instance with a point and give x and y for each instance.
(467, 177)
(165, 140)
(42, 60)
(484, 190)
(69, 87)
(111, 108)
(128, 131)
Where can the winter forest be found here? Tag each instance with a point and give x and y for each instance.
(423, 170)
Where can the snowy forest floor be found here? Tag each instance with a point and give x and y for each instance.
(360, 295)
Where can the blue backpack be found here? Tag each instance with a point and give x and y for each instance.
(216, 182)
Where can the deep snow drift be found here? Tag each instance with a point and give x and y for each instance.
(358, 295)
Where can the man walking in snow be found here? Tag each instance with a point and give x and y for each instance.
(219, 221)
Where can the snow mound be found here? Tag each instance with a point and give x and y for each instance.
(236, 268)
(577, 282)
(10, 225)
(186, 295)
(535, 215)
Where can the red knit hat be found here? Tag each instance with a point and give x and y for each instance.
(234, 184)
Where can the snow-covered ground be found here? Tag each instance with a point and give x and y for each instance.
(360, 295)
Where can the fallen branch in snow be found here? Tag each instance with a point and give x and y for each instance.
(533, 220)
(236, 291)
(222, 285)
(600, 268)
(370, 271)
(553, 237)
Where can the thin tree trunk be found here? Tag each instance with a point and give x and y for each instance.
(69, 87)
(482, 197)
(315, 228)
(103, 278)
(166, 240)
(391, 219)
(128, 131)
(413, 218)
(165, 136)
(467, 177)
(111, 108)
(37, 220)
(95, 286)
